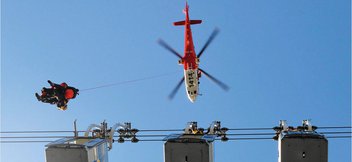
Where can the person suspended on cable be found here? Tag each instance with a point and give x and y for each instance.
(58, 94)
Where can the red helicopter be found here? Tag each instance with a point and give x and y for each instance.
(190, 60)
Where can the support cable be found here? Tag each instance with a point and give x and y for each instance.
(162, 130)
(161, 140)
(332, 127)
(164, 135)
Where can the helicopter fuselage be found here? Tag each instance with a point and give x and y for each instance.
(189, 60)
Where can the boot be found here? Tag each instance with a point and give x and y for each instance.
(51, 83)
(38, 97)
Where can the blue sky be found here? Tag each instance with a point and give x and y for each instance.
(282, 59)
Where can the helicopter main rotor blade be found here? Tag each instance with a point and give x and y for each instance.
(165, 45)
(218, 82)
(174, 91)
(210, 39)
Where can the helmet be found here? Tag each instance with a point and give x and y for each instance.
(63, 84)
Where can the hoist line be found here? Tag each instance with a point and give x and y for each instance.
(129, 81)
